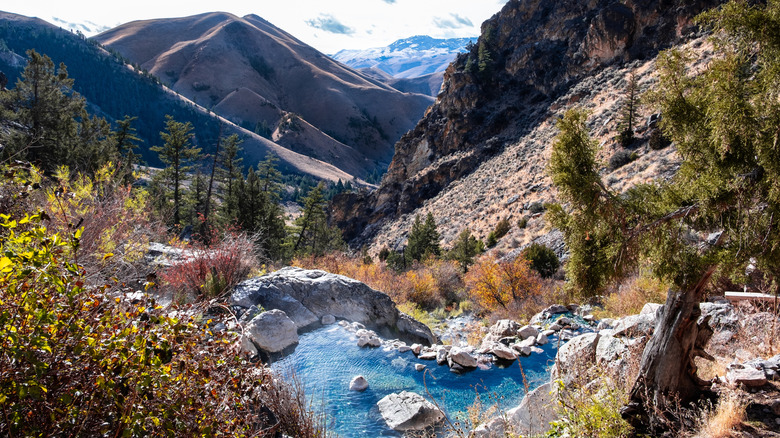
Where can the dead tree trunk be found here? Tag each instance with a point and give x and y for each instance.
(667, 374)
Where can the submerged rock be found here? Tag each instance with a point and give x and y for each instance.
(408, 411)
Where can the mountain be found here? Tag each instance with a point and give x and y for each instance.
(266, 80)
(114, 89)
(407, 58)
(480, 152)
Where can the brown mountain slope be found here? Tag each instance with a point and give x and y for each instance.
(497, 97)
(255, 74)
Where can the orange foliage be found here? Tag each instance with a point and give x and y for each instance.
(435, 283)
(495, 285)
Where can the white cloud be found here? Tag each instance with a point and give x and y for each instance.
(364, 23)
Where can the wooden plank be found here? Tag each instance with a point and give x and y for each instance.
(752, 296)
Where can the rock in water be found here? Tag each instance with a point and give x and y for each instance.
(272, 331)
(358, 383)
(408, 411)
(462, 357)
(307, 296)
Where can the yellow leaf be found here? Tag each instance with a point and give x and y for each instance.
(108, 255)
(5, 262)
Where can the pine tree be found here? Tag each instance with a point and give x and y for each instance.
(178, 153)
(465, 249)
(628, 114)
(230, 175)
(423, 239)
(310, 233)
(59, 131)
(724, 122)
(125, 142)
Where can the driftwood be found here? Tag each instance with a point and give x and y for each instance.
(667, 376)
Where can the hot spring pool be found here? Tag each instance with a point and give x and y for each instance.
(326, 359)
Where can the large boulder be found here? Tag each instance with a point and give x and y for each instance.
(408, 411)
(746, 375)
(309, 295)
(501, 329)
(271, 331)
(722, 315)
(534, 414)
(578, 351)
(635, 325)
(462, 357)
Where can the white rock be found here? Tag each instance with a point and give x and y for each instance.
(441, 356)
(328, 320)
(503, 352)
(541, 339)
(747, 376)
(581, 349)
(419, 366)
(635, 325)
(462, 357)
(534, 414)
(494, 428)
(416, 349)
(272, 331)
(650, 309)
(526, 332)
(530, 342)
(428, 355)
(408, 411)
(358, 383)
(404, 349)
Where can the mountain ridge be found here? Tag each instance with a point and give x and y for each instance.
(529, 55)
(212, 56)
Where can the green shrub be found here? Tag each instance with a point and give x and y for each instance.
(657, 140)
(78, 360)
(543, 259)
(522, 223)
(621, 158)
(536, 208)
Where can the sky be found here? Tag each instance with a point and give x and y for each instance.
(328, 26)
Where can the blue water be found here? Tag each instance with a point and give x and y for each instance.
(325, 361)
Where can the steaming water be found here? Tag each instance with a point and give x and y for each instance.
(326, 359)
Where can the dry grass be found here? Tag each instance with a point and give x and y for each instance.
(721, 421)
(630, 296)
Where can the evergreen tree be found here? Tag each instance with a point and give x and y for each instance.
(126, 141)
(230, 175)
(310, 233)
(628, 114)
(423, 239)
(465, 249)
(724, 122)
(59, 131)
(178, 153)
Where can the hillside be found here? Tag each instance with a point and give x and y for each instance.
(137, 94)
(260, 77)
(480, 152)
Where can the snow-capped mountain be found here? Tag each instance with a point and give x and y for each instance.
(407, 58)
(88, 28)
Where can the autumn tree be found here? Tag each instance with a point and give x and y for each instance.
(502, 285)
(719, 213)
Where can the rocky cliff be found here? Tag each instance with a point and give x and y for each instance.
(529, 55)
